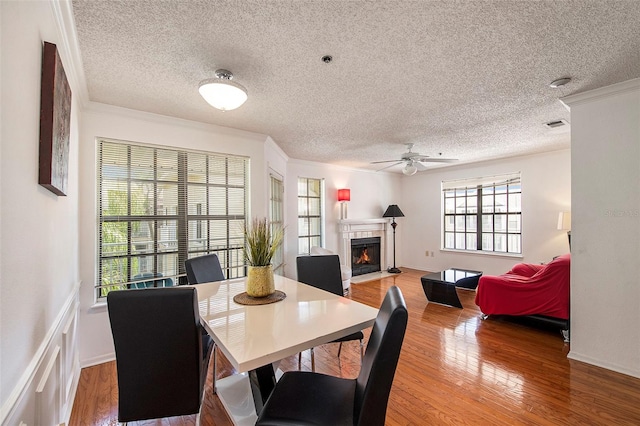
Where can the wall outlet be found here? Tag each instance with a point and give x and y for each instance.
(427, 253)
(432, 254)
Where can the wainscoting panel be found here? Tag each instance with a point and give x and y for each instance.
(45, 393)
(48, 392)
(70, 364)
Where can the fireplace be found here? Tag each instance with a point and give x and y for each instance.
(365, 255)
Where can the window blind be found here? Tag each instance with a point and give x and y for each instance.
(483, 214)
(497, 180)
(159, 206)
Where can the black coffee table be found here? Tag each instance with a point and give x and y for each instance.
(440, 287)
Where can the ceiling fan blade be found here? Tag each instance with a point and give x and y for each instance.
(385, 161)
(418, 157)
(421, 167)
(384, 168)
(438, 160)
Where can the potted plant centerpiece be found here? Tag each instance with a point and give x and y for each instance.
(260, 246)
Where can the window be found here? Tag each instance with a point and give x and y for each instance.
(483, 214)
(160, 206)
(309, 214)
(276, 220)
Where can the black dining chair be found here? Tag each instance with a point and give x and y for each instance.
(323, 272)
(308, 398)
(205, 269)
(161, 356)
(162, 282)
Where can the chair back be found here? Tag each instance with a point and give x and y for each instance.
(163, 282)
(373, 384)
(159, 357)
(321, 271)
(204, 269)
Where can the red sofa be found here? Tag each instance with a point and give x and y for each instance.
(528, 289)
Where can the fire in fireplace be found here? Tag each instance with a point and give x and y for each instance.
(365, 255)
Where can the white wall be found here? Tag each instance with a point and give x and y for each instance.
(118, 123)
(371, 193)
(276, 159)
(546, 190)
(605, 265)
(38, 232)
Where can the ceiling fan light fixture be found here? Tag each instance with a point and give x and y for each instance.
(221, 92)
(410, 169)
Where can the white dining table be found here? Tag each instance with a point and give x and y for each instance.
(254, 337)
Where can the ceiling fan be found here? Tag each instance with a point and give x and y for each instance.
(413, 161)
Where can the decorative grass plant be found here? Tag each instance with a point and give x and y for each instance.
(260, 244)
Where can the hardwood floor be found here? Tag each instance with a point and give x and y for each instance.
(455, 369)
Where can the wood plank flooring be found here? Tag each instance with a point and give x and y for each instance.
(454, 369)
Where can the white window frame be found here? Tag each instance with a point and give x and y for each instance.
(216, 184)
(276, 217)
(304, 232)
(483, 215)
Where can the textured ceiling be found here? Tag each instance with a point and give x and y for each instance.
(468, 79)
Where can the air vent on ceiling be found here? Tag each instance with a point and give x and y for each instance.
(556, 123)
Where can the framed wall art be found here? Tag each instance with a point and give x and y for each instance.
(55, 118)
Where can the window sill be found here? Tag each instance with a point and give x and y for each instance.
(98, 306)
(485, 253)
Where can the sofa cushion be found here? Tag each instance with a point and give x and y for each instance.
(525, 269)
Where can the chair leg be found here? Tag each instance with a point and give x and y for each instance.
(313, 361)
(199, 413)
(215, 368)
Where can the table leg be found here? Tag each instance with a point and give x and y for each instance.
(262, 381)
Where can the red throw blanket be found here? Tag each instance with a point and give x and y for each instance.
(528, 289)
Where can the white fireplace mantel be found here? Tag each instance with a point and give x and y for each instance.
(363, 228)
(362, 221)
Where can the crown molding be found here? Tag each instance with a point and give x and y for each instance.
(602, 92)
(274, 145)
(134, 114)
(70, 49)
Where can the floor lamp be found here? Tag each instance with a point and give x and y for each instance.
(564, 224)
(393, 211)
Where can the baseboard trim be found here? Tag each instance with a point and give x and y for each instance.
(599, 363)
(98, 360)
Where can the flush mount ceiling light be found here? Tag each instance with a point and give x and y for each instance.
(223, 93)
(410, 169)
